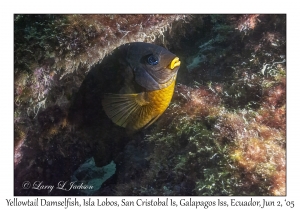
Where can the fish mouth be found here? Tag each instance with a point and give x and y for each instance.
(174, 63)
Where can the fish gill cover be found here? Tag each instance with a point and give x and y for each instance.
(224, 132)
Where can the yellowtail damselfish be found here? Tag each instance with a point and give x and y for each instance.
(152, 69)
(134, 85)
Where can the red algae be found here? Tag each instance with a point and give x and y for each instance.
(20, 137)
(247, 22)
(197, 102)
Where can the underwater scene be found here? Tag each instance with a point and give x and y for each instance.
(149, 105)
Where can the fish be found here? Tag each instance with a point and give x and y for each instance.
(147, 75)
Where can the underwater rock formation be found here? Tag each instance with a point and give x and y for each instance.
(48, 48)
(224, 132)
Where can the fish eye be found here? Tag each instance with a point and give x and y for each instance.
(152, 60)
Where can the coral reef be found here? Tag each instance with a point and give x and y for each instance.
(224, 132)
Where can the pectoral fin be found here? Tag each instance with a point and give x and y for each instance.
(121, 108)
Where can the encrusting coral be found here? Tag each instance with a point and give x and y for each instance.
(224, 132)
